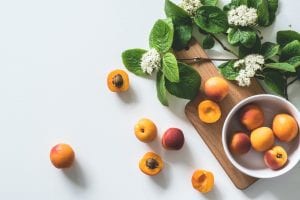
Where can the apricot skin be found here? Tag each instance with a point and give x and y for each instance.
(216, 88)
(240, 143)
(285, 127)
(62, 156)
(275, 158)
(262, 139)
(145, 130)
(252, 117)
(173, 139)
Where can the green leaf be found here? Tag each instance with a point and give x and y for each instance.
(132, 60)
(209, 2)
(161, 36)
(234, 4)
(244, 36)
(211, 19)
(281, 66)
(285, 37)
(228, 71)
(161, 88)
(244, 51)
(269, 49)
(295, 61)
(275, 81)
(189, 84)
(273, 5)
(176, 13)
(170, 67)
(182, 36)
(263, 12)
(208, 42)
(290, 50)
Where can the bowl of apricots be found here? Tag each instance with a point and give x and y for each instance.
(261, 136)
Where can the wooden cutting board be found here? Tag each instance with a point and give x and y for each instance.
(212, 133)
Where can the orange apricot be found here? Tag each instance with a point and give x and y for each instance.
(145, 130)
(118, 81)
(216, 88)
(285, 127)
(62, 156)
(252, 116)
(276, 157)
(209, 111)
(203, 180)
(151, 164)
(262, 139)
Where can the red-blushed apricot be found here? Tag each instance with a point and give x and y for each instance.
(216, 88)
(252, 117)
(62, 156)
(275, 158)
(240, 143)
(173, 139)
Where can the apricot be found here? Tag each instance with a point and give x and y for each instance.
(216, 88)
(252, 117)
(209, 111)
(62, 156)
(203, 180)
(173, 139)
(240, 143)
(262, 138)
(285, 127)
(118, 81)
(145, 130)
(276, 157)
(151, 164)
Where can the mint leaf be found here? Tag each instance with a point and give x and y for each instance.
(208, 42)
(269, 49)
(244, 36)
(285, 37)
(161, 88)
(209, 2)
(132, 60)
(275, 81)
(161, 36)
(295, 61)
(290, 50)
(281, 66)
(211, 19)
(170, 67)
(176, 13)
(189, 84)
(228, 71)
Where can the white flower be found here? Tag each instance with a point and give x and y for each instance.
(242, 16)
(248, 67)
(150, 60)
(190, 6)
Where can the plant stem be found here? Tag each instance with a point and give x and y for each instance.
(223, 46)
(199, 59)
(286, 89)
(293, 81)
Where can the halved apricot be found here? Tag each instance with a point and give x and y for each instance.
(118, 81)
(151, 164)
(209, 111)
(203, 180)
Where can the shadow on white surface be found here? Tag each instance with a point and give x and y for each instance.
(164, 178)
(76, 175)
(128, 97)
(214, 194)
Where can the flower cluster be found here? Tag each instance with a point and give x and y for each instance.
(242, 16)
(190, 6)
(150, 60)
(248, 67)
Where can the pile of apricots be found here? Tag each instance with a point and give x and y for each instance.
(173, 139)
(262, 138)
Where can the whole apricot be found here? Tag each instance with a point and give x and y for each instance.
(145, 130)
(216, 88)
(173, 139)
(285, 127)
(276, 157)
(252, 116)
(262, 139)
(209, 111)
(118, 81)
(151, 164)
(240, 143)
(62, 156)
(203, 181)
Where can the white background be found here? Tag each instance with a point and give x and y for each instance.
(54, 58)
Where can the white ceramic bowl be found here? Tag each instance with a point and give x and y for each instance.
(252, 163)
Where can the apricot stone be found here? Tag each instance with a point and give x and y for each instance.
(275, 158)
(252, 117)
(240, 143)
(285, 127)
(262, 139)
(173, 139)
(216, 88)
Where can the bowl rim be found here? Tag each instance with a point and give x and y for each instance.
(224, 138)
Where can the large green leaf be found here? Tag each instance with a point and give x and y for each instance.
(211, 19)
(170, 67)
(209, 2)
(161, 36)
(161, 88)
(208, 42)
(176, 13)
(263, 12)
(132, 60)
(244, 51)
(285, 37)
(182, 36)
(275, 81)
(189, 84)
(286, 67)
(269, 50)
(295, 61)
(244, 36)
(228, 71)
(290, 50)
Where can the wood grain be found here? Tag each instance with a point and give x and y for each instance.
(212, 133)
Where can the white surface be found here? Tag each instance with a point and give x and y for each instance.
(54, 58)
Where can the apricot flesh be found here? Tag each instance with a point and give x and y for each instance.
(173, 139)
(209, 111)
(285, 127)
(252, 117)
(216, 88)
(262, 139)
(240, 143)
(145, 130)
(62, 156)
(275, 158)
(203, 181)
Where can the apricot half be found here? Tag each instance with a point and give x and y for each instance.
(203, 180)
(118, 81)
(151, 164)
(262, 139)
(285, 127)
(216, 88)
(252, 117)
(62, 156)
(209, 111)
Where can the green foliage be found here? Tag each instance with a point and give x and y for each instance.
(286, 67)
(161, 88)
(208, 42)
(275, 81)
(170, 67)
(228, 71)
(131, 59)
(209, 2)
(269, 50)
(285, 37)
(290, 50)
(242, 36)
